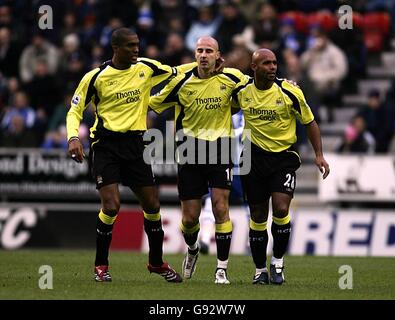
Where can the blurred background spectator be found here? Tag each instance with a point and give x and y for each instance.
(356, 138)
(326, 66)
(379, 120)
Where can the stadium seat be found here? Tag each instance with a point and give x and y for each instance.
(325, 19)
(374, 41)
(376, 26)
(358, 20)
(377, 21)
(298, 17)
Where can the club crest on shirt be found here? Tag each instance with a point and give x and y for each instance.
(141, 74)
(279, 102)
(248, 100)
(222, 87)
(99, 179)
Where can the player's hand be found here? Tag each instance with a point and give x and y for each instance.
(295, 84)
(323, 166)
(219, 65)
(76, 151)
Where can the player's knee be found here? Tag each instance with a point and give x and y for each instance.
(151, 205)
(151, 208)
(111, 207)
(220, 209)
(189, 221)
(281, 212)
(259, 216)
(110, 212)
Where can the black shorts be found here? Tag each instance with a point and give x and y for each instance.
(195, 179)
(198, 151)
(118, 158)
(270, 172)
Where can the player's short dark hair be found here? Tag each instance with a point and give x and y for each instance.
(118, 36)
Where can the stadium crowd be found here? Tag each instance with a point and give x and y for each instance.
(39, 69)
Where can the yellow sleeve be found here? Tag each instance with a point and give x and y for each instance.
(79, 102)
(167, 97)
(160, 72)
(300, 106)
(183, 68)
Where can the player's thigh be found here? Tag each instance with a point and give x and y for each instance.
(192, 182)
(283, 181)
(135, 171)
(256, 189)
(219, 176)
(105, 163)
(110, 198)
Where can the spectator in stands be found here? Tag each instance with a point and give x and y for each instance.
(289, 38)
(105, 35)
(8, 88)
(263, 32)
(239, 58)
(3, 93)
(18, 135)
(21, 108)
(171, 16)
(174, 50)
(70, 24)
(96, 57)
(6, 17)
(145, 28)
(291, 70)
(43, 89)
(56, 136)
(39, 50)
(9, 54)
(232, 22)
(352, 43)
(379, 119)
(356, 138)
(206, 25)
(325, 65)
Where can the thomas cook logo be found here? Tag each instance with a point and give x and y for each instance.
(142, 75)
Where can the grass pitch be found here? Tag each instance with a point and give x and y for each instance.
(306, 278)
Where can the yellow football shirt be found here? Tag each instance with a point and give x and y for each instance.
(203, 107)
(271, 114)
(120, 97)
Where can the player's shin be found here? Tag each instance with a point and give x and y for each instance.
(281, 230)
(155, 234)
(258, 238)
(190, 235)
(104, 226)
(223, 239)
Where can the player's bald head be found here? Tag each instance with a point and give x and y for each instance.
(262, 54)
(207, 42)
